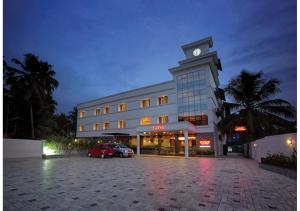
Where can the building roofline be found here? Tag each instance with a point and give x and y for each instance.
(198, 42)
(212, 57)
(125, 92)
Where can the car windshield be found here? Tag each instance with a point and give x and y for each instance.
(122, 146)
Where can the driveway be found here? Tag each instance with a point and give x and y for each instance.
(145, 183)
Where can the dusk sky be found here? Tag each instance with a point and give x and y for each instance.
(100, 47)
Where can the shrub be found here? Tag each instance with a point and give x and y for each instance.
(61, 145)
(279, 159)
(200, 151)
(204, 152)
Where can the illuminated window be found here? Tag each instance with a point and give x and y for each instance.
(106, 110)
(122, 107)
(145, 121)
(145, 103)
(96, 126)
(106, 125)
(122, 124)
(82, 114)
(162, 100)
(162, 119)
(81, 128)
(196, 119)
(97, 111)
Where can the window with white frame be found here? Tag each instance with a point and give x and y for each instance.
(163, 119)
(96, 126)
(122, 124)
(106, 110)
(122, 107)
(161, 100)
(81, 114)
(97, 111)
(145, 103)
(106, 125)
(81, 128)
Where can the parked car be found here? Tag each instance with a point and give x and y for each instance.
(122, 151)
(101, 150)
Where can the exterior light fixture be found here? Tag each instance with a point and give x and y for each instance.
(289, 141)
(254, 144)
(48, 151)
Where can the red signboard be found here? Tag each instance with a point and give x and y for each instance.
(158, 127)
(204, 142)
(240, 129)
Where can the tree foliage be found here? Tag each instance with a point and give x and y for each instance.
(251, 106)
(28, 97)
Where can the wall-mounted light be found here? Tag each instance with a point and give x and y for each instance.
(289, 141)
(254, 144)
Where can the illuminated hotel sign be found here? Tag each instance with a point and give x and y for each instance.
(204, 142)
(158, 127)
(240, 129)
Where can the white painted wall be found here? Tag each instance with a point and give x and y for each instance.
(21, 148)
(272, 144)
(133, 114)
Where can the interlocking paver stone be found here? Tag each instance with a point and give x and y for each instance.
(145, 183)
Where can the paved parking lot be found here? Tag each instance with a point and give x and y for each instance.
(146, 183)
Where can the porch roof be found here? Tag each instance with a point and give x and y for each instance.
(176, 126)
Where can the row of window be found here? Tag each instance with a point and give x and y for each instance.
(122, 123)
(145, 103)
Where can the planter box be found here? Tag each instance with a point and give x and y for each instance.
(280, 170)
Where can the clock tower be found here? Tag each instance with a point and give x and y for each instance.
(196, 79)
(197, 48)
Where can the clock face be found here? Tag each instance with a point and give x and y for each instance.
(197, 52)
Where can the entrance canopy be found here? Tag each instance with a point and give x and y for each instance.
(157, 128)
(182, 127)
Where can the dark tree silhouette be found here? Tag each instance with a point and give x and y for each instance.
(252, 107)
(65, 125)
(30, 87)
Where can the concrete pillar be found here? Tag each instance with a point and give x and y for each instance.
(186, 144)
(138, 144)
(216, 142)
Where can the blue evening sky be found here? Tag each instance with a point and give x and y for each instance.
(102, 47)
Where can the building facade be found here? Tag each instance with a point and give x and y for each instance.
(174, 117)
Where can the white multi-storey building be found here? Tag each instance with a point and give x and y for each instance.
(174, 116)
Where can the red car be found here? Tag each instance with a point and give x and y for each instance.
(101, 150)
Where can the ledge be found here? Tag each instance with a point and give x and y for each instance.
(280, 170)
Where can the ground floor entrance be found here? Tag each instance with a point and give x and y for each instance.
(174, 144)
(173, 139)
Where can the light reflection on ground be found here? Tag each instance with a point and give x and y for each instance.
(146, 183)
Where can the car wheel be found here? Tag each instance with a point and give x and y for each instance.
(121, 155)
(102, 156)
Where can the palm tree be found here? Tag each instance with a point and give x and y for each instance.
(36, 79)
(252, 107)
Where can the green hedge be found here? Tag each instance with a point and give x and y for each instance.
(61, 144)
(279, 159)
(201, 151)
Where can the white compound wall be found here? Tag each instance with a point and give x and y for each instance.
(273, 144)
(21, 148)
